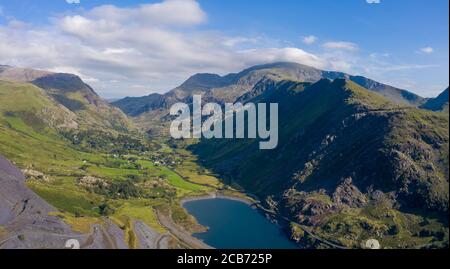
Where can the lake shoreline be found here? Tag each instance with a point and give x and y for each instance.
(252, 203)
(246, 201)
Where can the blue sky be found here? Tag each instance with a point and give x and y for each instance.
(133, 48)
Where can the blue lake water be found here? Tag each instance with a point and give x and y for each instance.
(234, 224)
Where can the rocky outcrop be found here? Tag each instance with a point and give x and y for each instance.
(349, 195)
(307, 208)
(35, 175)
(90, 181)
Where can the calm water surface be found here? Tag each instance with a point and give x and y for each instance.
(234, 224)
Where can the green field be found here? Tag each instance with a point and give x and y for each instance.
(134, 185)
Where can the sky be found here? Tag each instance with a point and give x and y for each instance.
(134, 48)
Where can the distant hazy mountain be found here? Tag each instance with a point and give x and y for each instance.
(439, 103)
(228, 88)
(135, 106)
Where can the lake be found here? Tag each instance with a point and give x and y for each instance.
(235, 224)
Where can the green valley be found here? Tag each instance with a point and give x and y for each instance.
(352, 163)
(90, 171)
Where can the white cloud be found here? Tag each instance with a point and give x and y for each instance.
(240, 40)
(72, 1)
(127, 51)
(71, 70)
(168, 12)
(376, 56)
(309, 39)
(267, 55)
(143, 45)
(373, 1)
(341, 45)
(427, 50)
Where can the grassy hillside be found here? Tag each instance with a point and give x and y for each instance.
(94, 173)
(73, 94)
(92, 111)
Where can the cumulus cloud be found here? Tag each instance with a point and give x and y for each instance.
(309, 39)
(169, 12)
(133, 51)
(114, 48)
(427, 50)
(373, 1)
(267, 55)
(341, 45)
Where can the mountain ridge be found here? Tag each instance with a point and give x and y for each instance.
(440, 103)
(229, 87)
(343, 151)
(69, 91)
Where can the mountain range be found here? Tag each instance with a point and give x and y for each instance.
(341, 149)
(356, 159)
(228, 88)
(347, 143)
(149, 111)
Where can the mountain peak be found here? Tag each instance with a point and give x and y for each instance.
(287, 65)
(236, 86)
(64, 82)
(203, 82)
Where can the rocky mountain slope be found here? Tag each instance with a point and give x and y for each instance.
(151, 113)
(345, 157)
(228, 88)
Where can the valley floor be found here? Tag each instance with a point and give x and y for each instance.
(95, 193)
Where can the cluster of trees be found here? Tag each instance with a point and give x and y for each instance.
(103, 141)
(129, 189)
(118, 190)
